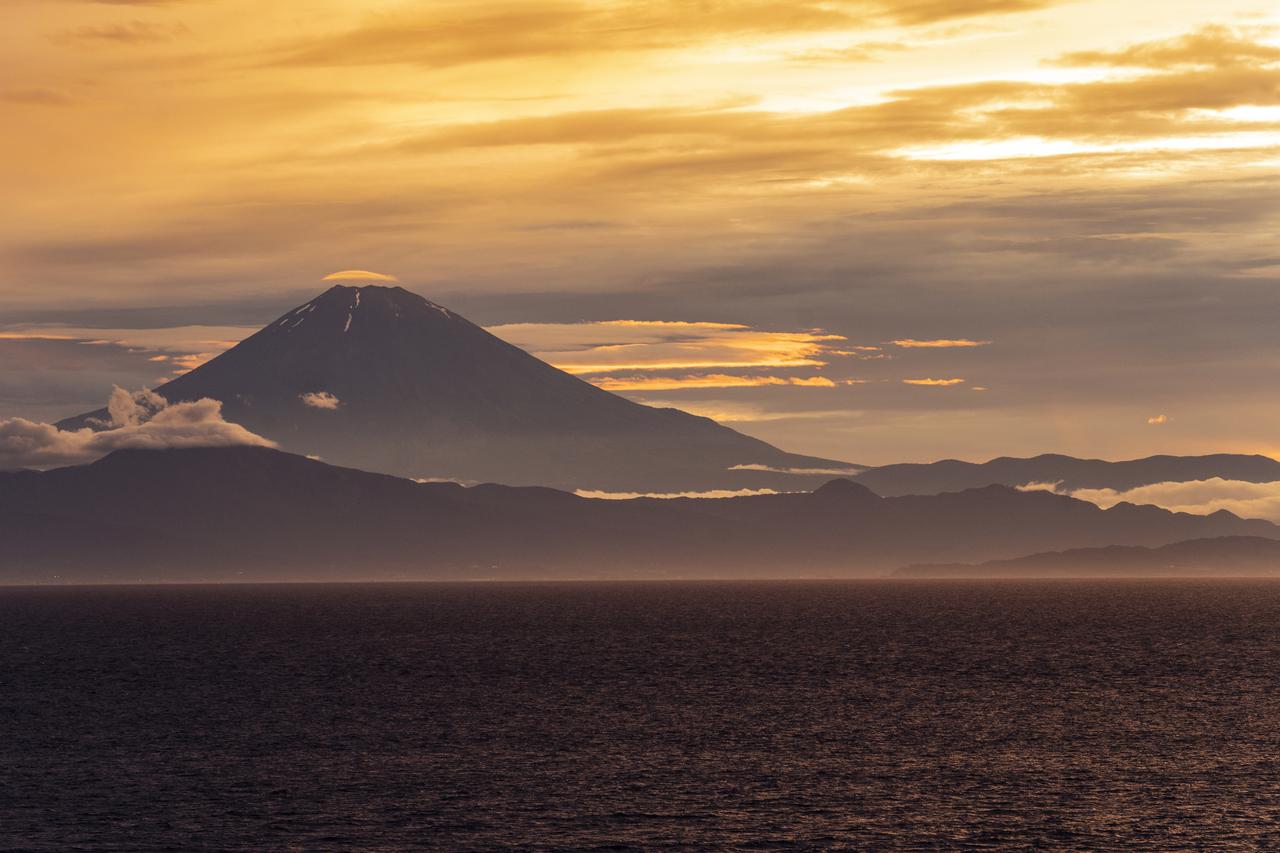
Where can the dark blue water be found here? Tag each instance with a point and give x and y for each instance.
(689, 716)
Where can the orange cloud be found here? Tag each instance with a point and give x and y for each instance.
(935, 382)
(190, 361)
(34, 336)
(638, 345)
(710, 380)
(359, 275)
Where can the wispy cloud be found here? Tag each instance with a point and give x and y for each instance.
(909, 343)
(934, 382)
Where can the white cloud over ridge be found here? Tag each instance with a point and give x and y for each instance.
(1198, 497)
(835, 472)
(138, 420)
(715, 493)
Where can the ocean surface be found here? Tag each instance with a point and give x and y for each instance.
(866, 715)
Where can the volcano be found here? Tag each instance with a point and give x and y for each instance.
(382, 379)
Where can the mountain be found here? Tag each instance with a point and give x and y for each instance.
(381, 379)
(1224, 556)
(253, 513)
(950, 475)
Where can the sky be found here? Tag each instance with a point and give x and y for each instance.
(872, 231)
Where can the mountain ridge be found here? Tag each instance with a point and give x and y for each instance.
(1221, 556)
(231, 513)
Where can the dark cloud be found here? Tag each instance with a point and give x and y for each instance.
(866, 51)
(451, 35)
(129, 32)
(1209, 46)
(36, 97)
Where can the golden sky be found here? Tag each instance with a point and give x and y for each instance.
(993, 226)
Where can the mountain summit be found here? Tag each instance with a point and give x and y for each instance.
(382, 379)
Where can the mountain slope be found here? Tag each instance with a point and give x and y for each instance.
(950, 475)
(256, 513)
(405, 386)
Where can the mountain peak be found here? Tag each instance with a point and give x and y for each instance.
(377, 377)
(354, 297)
(844, 490)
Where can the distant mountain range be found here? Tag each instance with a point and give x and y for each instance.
(1225, 556)
(951, 475)
(381, 379)
(252, 513)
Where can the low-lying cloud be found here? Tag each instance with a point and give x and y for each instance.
(1198, 497)
(136, 420)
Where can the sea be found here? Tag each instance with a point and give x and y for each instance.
(861, 715)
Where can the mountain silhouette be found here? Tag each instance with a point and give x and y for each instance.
(950, 475)
(382, 379)
(252, 513)
(1223, 556)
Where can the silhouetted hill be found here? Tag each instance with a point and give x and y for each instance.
(407, 387)
(951, 475)
(1225, 556)
(255, 513)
